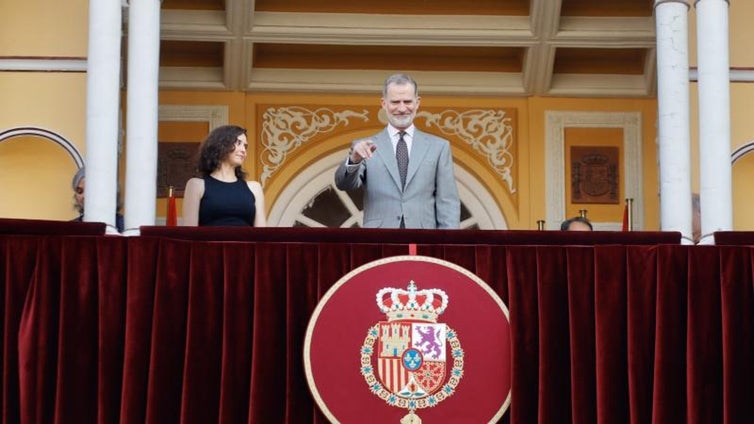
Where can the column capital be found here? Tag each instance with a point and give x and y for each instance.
(686, 3)
(697, 2)
(126, 3)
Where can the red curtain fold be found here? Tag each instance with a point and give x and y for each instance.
(38, 337)
(704, 337)
(18, 256)
(522, 263)
(737, 301)
(202, 349)
(641, 291)
(554, 335)
(153, 330)
(583, 384)
(669, 389)
(140, 305)
(112, 265)
(611, 324)
(237, 319)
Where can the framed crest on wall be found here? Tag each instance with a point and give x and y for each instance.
(595, 174)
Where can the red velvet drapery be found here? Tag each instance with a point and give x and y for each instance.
(159, 330)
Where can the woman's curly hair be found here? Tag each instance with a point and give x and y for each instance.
(219, 144)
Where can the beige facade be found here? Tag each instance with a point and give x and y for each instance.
(511, 174)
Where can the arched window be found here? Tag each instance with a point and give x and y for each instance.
(312, 200)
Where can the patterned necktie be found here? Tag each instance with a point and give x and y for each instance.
(401, 155)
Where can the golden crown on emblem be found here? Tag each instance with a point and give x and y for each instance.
(412, 304)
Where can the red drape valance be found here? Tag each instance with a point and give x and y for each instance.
(100, 329)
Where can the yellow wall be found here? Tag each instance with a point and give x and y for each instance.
(44, 28)
(742, 132)
(56, 101)
(35, 180)
(35, 174)
(648, 110)
(521, 209)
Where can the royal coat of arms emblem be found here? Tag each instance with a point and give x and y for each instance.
(384, 345)
(418, 361)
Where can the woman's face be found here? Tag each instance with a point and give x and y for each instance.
(238, 155)
(79, 193)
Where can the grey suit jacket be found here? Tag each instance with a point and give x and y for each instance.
(430, 198)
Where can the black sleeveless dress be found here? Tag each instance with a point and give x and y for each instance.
(226, 204)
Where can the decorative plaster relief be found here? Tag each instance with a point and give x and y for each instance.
(286, 128)
(488, 132)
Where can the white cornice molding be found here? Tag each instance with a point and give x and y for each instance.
(199, 78)
(213, 115)
(581, 85)
(397, 21)
(187, 24)
(537, 75)
(538, 35)
(42, 64)
(545, 17)
(635, 30)
(344, 81)
(389, 29)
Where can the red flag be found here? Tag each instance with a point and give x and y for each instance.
(171, 219)
(625, 218)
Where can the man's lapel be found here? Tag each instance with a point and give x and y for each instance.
(387, 156)
(419, 149)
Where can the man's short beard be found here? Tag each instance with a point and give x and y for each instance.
(402, 121)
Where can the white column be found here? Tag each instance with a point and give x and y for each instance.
(142, 113)
(673, 110)
(714, 118)
(102, 108)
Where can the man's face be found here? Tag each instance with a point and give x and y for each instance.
(79, 193)
(401, 104)
(578, 226)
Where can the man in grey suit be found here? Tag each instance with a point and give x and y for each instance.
(407, 175)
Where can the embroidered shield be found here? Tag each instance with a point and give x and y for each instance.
(411, 349)
(411, 357)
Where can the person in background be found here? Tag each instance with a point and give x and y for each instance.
(221, 196)
(79, 185)
(407, 175)
(576, 223)
(696, 218)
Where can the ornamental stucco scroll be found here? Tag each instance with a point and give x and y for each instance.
(285, 129)
(488, 132)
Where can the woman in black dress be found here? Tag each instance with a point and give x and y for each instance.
(221, 196)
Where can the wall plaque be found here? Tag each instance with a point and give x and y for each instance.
(595, 174)
(176, 163)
